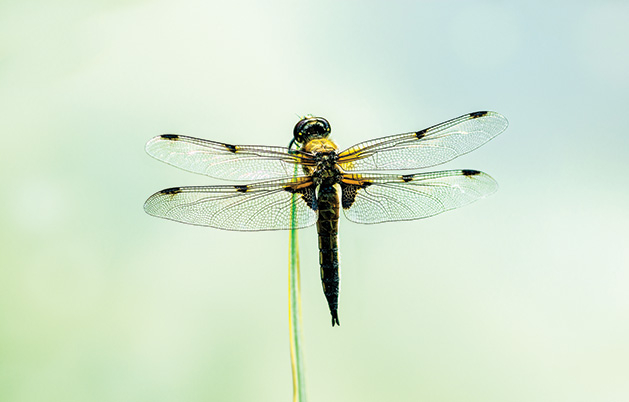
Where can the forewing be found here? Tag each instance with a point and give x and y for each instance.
(261, 206)
(428, 147)
(224, 161)
(375, 198)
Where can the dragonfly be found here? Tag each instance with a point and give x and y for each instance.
(311, 180)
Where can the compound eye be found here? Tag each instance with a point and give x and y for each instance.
(298, 131)
(325, 126)
(311, 127)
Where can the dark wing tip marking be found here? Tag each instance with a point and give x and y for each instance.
(421, 134)
(171, 191)
(478, 114)
(470, 172)
(474, 115)
(242, 189)
(173, 137)
(231, 148)
(407, 177)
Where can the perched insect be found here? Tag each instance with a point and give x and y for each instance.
(327, 180)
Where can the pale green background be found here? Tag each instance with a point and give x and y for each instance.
(523, 296)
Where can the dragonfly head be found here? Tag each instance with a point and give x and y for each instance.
(310, 128)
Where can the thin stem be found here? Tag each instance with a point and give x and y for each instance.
(294, 309)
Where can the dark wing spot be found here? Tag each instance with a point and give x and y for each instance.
(291, 190)
(421, 134)
(349, 191)
(241, 189)
(171, 191)
(231, 148)
(407, 177)
(478, 114)
(173, 137)
(470, 172)
(307, 194)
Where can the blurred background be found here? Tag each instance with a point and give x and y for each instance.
(523, 296)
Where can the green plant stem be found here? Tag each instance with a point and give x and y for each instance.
(294, 311)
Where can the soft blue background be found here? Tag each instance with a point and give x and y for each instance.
(523, 296)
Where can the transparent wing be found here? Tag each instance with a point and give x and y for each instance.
(429, 147)
(224, 161)
(260, 206)
(375, 198)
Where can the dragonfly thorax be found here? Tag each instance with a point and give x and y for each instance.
(326, 166)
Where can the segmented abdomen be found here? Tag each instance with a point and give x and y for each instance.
(327, 226)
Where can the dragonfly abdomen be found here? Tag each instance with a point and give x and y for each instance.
(327, 227)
